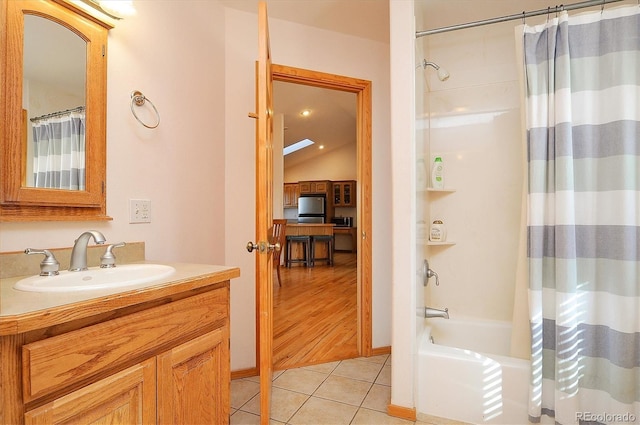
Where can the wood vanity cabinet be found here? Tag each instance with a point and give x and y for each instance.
(291, 194)
(165, 361)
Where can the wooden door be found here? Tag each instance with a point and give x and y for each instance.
(264, 212)
(127, 397)
(194, 381)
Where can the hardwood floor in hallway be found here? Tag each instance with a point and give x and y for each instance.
(315, 313)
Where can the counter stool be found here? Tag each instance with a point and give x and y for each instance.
(328, 239)
(306, 249)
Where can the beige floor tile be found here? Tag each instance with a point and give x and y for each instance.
(284, 404)
(244, 418)
(242, 390)
(376, 359)
(369, 417)
(343, 390)
(300, 380)
(378, 398)
(326, 412)
(323, 367)
(252, 379)
(358, 369)
(384, 377)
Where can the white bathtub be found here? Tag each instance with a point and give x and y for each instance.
(466, 374)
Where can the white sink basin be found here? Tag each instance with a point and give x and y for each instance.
(96, 278)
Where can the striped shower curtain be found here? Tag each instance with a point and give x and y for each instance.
(59, 151)
(583, 136)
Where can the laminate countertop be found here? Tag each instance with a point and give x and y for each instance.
(22, 311)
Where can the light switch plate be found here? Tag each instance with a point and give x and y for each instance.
(139, 211)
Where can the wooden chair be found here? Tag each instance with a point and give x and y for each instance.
(279, 236)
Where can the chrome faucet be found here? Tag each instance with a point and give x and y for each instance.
(79, 252)
(434, 312)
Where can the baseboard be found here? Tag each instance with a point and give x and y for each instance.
(245, 373)
(408, 413)
(380, 351)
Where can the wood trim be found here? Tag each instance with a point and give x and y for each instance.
(381, 351)
(21, 203)
(362, 88)
(408, 413)
(245, 373)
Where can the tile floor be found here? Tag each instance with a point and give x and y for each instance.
(355, 391)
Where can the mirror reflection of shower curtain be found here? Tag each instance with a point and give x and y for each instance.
(59, 152)
(583, 128)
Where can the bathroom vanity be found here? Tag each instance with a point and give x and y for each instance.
(149, 354)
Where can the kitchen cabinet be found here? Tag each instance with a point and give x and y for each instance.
(344, 193)
(160, 360)
(315, 187)
(291, 194)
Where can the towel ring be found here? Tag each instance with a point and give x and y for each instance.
(139, 99)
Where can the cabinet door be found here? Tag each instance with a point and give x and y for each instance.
(305, 187)
(322, 187)
(337, 194)
(290, 195)
(348, 194)
(296, 195)
(127, 397)
(194, 381)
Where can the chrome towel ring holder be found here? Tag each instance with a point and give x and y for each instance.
(139, 99)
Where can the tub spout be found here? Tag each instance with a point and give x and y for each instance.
(434, 312)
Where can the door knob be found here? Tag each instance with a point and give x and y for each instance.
(262, 246)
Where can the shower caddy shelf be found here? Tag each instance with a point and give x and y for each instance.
(445, 243)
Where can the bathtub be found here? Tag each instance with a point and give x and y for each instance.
(465, 373)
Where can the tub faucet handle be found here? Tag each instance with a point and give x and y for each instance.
(49, 266)
(427, 273)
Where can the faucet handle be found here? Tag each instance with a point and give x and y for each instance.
(49, 266)
(427, 273)
(108, 260)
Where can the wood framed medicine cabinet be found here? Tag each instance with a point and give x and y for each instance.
(20, 201)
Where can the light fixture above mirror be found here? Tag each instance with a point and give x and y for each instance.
(119, 9)
(106, 11)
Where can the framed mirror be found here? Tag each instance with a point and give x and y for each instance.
(53, 146)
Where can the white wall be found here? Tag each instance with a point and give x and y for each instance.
(311, 48)
(475, 127)
(402, 248)
(180, 165)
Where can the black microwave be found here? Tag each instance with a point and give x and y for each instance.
(342, 221)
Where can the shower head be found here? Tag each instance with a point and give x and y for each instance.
(443, 75)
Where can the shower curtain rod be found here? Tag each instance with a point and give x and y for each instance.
(522, 15)
(58, 114)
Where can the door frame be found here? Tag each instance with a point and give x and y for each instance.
(362, 89)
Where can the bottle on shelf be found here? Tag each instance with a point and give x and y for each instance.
(437, 173)
(438, 231)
